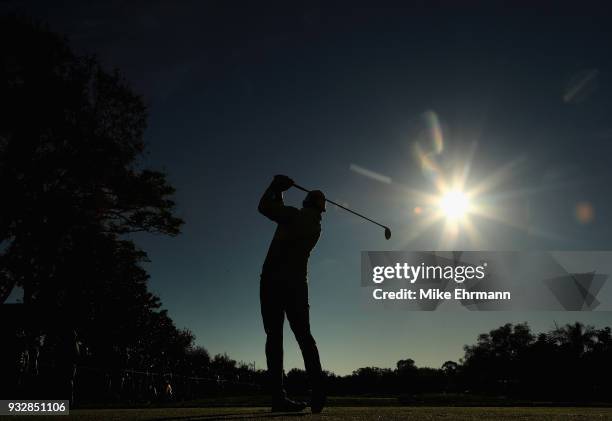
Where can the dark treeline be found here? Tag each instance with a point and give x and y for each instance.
(572, 363)
(73, 189)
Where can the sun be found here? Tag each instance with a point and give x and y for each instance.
(454, 204)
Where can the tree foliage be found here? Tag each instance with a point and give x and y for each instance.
(71, 136)
(73, 185)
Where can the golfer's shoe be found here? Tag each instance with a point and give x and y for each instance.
(317, 401)
(287, 405)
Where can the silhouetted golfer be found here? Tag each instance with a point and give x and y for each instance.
(284, 288)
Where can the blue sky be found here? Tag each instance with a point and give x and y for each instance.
(238, 95)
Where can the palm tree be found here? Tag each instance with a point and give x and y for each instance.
(577, 337)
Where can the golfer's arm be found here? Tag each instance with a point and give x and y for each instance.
(272, 206)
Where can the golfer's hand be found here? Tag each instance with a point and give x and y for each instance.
(282, 183)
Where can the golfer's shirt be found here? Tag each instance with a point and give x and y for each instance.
(296, 234)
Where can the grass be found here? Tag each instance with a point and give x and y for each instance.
(348, 413)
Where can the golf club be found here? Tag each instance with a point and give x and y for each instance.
(387, 229)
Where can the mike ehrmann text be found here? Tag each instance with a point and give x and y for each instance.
(437, 294)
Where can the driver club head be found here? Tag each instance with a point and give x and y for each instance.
(387, 233)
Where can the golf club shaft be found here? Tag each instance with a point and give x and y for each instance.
(343, 207)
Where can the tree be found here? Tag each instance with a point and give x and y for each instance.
(406, 366)
(495, 361)
(198, 361)
(70, 137)
(450, 368)
(223, 366)
(73, 184)
(576, 338)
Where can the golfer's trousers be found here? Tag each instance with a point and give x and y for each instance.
(287, 297)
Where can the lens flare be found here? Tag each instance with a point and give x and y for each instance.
(585, 212)
(459, 205)
(454, 204)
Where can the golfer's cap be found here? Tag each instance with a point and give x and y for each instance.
(315, 199)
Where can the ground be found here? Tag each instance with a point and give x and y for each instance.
(347, 413)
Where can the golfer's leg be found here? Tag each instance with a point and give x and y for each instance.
(299, 319)
(273, 316)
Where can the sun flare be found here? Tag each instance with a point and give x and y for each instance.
(454, 204)
(460, 205)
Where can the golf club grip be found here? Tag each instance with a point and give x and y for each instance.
(345, 208)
